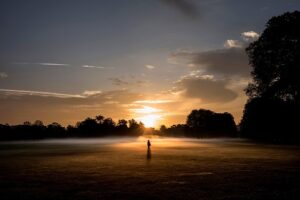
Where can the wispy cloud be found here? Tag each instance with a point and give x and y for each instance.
(130, 81)
(92, 66)
(91, 92)
(39, 93)
(150, 66)
(60, 65)
(249, 35)
(85, 94)
(233, 44)
(3, 75)
(154, 101)
(40, 63)
(52, 64)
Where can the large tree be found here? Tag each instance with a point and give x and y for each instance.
(273, 109)
(275, 59)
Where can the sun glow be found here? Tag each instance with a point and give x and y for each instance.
(146, 110)
(148, 115)
(150, 121)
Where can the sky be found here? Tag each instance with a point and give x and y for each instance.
(152, 60)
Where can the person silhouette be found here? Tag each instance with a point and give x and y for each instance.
(149, 154)
(149, 150)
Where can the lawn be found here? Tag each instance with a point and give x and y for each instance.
(123, 168)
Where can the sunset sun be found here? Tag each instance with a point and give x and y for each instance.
(148, 115)
(150, 120)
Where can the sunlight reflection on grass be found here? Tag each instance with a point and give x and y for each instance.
(159, 143)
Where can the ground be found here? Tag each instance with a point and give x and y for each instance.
(125, 169)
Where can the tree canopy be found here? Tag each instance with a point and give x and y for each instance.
(275, 59)
(272, 111)
(208, 123)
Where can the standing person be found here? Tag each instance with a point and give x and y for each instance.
(148, 144)
(148, 150)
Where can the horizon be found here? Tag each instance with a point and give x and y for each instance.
(63, 62)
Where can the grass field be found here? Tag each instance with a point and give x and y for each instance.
(124, 169)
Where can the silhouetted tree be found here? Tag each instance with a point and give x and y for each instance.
(6, 132)
(108, 126)
(178, 130)
(55, 130)
(122, 127)
(100, 119)
(271, 120)
(203, 123)
(122, 123)
(98, 127)
(136, 128)
(27, 123)
(198, 119)
(109, 122)
(206, 123)
(274, 95)
(38, 123)
(87, 127)
(71, 131)
(275, 59)
(163, 129)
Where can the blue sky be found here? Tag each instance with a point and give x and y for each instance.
(73, 46)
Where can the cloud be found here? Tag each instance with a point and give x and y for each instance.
(249, 36)
(217, 77)
(162, 101)
(227, 62)
(150, 66)
(233, 44)
(92, 66)
(186, 7)
(8, 92)
(52, 64)
(91, 92)
(220, 62)
(230, 61)
(208, 90)
(59, 65)
(42, 63)
(3, 75)
(85, 98)
(17, 106)
(118, 81)
(130, 81)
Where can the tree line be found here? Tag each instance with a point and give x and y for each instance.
(200, 123)
(203, 123)
(90, 127)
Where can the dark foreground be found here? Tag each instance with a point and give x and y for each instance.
(123, 169)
